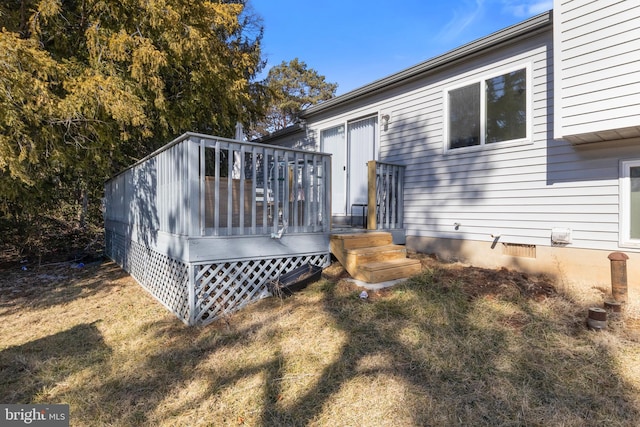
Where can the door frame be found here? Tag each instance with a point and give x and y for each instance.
(350, 168)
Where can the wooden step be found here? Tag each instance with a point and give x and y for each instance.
(353, 258)
(372, 257)
(340, 243)
(362, 240)
(376, 272)
(376, 253)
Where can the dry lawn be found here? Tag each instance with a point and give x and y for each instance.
(452, 346)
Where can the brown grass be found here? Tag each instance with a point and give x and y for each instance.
(452, 346)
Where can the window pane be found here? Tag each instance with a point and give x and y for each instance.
(634, 215)
(464, 116)
(507, 107)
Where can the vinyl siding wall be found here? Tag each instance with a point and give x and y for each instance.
(296, 139)
(598, 69)
(519, 192)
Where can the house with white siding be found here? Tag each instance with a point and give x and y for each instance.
(520, 149)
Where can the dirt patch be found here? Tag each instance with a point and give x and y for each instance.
(488, 282)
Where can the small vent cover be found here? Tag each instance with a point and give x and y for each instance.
(561, 236)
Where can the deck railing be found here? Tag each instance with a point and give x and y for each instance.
(252, 189)
(385, 195)
(207, 186)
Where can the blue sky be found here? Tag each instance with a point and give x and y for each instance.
(354, 42)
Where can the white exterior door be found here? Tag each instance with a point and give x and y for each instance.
(333, 141)
(361, 142)
(349, 163)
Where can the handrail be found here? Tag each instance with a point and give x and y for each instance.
(385, 208)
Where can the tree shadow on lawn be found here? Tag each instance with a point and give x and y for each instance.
(130, 396)
(41, 288)
(29, 370)
(467, 361)
(493, 359)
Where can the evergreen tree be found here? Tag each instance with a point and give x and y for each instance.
(290, 88)
(89, 86)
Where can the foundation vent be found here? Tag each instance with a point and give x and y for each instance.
(518, 250)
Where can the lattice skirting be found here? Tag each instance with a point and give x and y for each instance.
(226, 287)
(220, 288)
(163, 277)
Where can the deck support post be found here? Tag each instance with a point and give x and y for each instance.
(192, 295)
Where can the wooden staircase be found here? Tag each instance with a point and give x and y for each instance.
(372, 257)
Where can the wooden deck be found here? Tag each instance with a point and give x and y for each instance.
(205, 223)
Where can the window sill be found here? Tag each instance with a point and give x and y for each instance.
(629, 244)
(488, 147)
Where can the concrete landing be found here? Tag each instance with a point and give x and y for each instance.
(375, 286)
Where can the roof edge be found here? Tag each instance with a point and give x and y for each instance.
(531, 25)
(291, 129)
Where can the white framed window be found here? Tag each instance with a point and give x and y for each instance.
(494, 109)
(630, 203)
